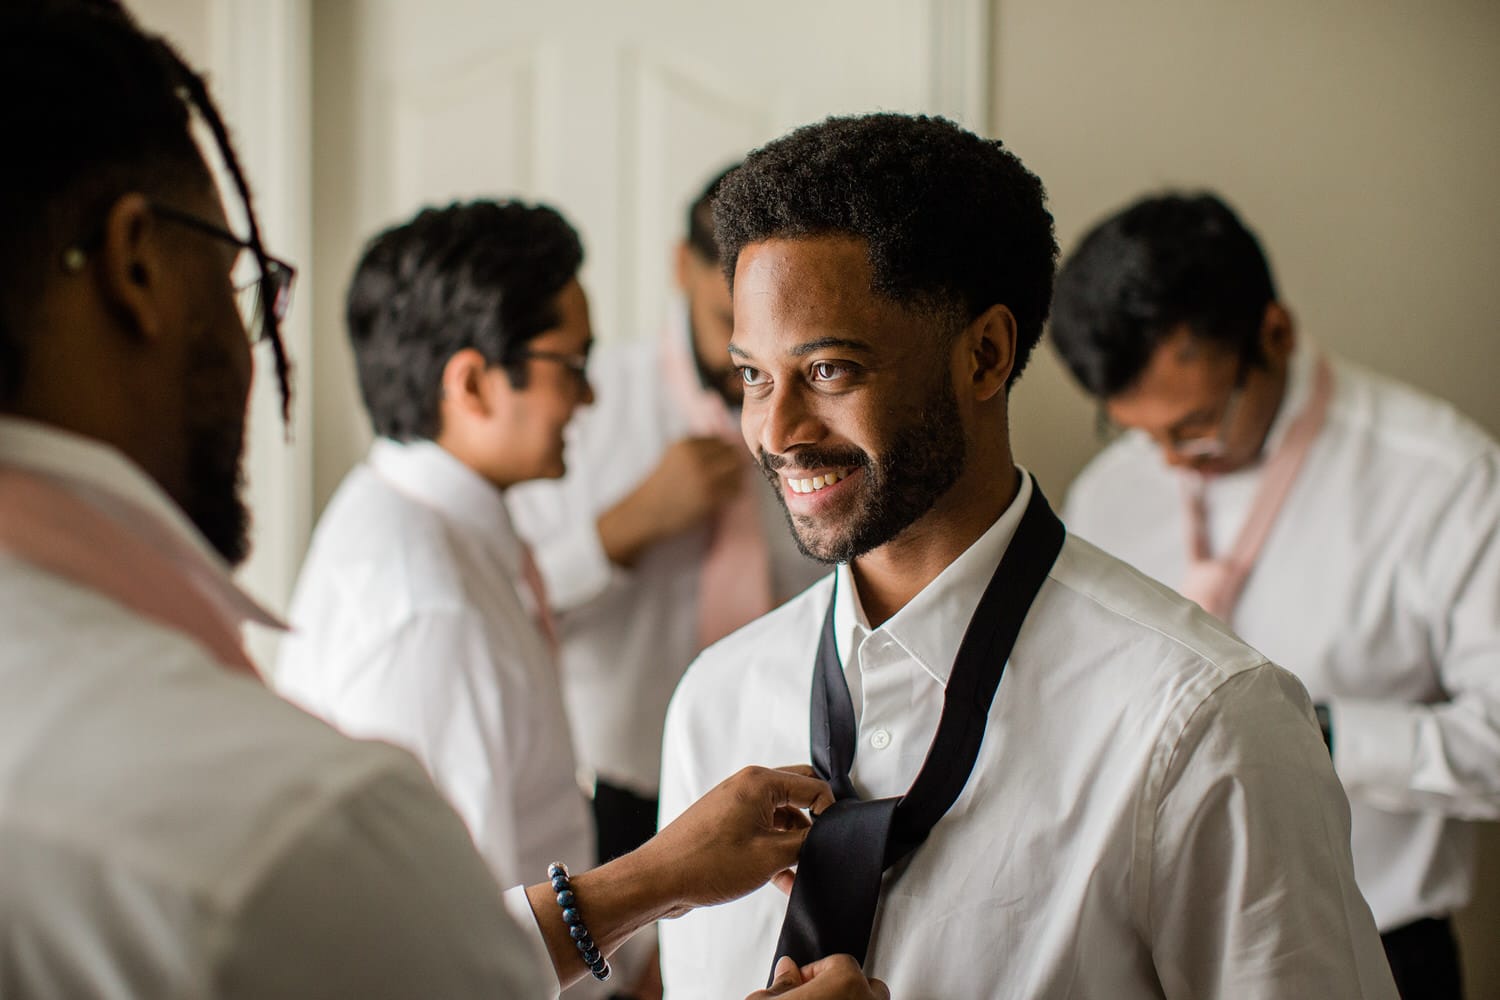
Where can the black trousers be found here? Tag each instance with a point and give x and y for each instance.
(1424, 959)
(623, 820)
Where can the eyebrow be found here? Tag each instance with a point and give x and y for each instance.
(813, 346)
(1196, 417)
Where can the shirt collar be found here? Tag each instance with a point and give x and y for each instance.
(932, 625)
(105, 478)
(431, 475)
(1301, 369)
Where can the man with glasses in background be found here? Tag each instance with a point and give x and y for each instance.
(168, 827)
(1342, 523)
(418, 617)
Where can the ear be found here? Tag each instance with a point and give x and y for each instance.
(466, 389)
(990, 350)
(680, 265)
(133, 268)
(1278, 334)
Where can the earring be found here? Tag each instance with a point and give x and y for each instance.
(73, 260)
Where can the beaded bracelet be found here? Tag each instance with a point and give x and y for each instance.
(592, 956)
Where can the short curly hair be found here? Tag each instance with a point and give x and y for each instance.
(954, 223)
(484, 275)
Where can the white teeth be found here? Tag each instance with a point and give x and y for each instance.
(815, 483)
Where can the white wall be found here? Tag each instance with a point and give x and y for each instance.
(1358, 137)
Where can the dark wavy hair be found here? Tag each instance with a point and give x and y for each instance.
(1142, 274)
(108, 113)
(954, 223)
(700, 218)
(482, 275)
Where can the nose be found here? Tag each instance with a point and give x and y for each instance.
(586, 393)
(1176, 459)
(779, 422)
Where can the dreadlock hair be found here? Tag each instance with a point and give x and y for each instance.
(700, 219)
(111, 114)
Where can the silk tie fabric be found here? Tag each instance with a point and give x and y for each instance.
(853, 842)
(1216, 584)
(43, 523)
(541, 611)
(734, 578)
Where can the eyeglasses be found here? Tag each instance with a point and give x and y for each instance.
(1194, 447)
(262, 300)
(578, 364)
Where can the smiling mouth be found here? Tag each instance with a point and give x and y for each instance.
(816, 483)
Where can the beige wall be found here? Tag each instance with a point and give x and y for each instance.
(1358, 138)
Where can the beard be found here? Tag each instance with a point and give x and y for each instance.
(214, 429)
(724, 380)
(903, 482)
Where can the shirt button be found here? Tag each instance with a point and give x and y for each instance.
(880, 739)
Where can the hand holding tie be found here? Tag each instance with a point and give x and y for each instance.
(835, 978)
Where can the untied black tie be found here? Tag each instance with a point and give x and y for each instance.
(853, 842)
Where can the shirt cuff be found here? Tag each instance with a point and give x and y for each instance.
(520, 911)
(1374, 745)
(575, 568)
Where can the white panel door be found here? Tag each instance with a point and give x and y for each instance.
(616, 113)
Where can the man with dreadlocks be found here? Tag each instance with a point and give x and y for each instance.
(168, 827)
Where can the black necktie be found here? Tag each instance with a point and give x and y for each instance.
(832, 909)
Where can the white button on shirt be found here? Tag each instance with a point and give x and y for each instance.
(169, 829)
(411, 624)
(1379, 587)
(1152, 813)
(628, 634)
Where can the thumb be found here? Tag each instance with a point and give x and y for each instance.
(786, 976)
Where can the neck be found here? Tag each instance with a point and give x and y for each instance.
(458, 446)
(887, 578)
(1277, 380)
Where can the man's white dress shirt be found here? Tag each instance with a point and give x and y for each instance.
(411, 624)
(1379, 587)
(1152, 812)
(628, 634)
(172, 829)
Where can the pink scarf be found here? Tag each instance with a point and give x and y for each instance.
(1216, 584)
(45, 524)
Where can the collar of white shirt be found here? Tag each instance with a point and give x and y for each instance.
(427, 473)
(103, 477)
(1299, 385)
(931, 626)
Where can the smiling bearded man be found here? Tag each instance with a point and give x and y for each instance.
(1055, 777)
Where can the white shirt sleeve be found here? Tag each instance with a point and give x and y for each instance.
(1250, 886)
(434, 687)
(1444, 756)
(381, 897)
(558, 521)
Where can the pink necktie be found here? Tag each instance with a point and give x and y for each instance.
(1216, 584)
(541, 611)
(734, 579)
(44, 524)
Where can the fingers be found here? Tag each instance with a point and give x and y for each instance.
(786, 976)
(799, 787)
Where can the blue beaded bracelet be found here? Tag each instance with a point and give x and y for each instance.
(592, 956)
